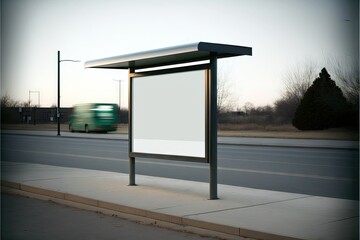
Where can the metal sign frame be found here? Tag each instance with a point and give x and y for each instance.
(132, 78)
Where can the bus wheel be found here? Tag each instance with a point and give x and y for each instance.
(86, 129)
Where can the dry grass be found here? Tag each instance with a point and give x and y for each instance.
(256, 127)
(331, 134)
(285, 131)
(232, 130)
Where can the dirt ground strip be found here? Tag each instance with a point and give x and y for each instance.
(232, 131)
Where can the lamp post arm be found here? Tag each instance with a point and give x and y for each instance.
(69, 60)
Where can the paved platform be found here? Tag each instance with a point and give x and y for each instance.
(239, 213)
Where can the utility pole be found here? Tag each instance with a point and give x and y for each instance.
(119, 81)
(34, 109)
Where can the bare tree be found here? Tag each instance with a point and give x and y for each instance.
(296, 82)
(347, 77)
(7, 101)
(225, 97)
(248, 107)
(285, 109)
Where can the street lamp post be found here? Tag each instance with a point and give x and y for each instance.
(38, 92)
(58, 98)
(119, 81)
(34, 109)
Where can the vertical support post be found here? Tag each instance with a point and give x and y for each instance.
(120, 101)
(58, 97)
(34, 115)
(131, 159)
(132, 172)
(119, 95)
(213, 128)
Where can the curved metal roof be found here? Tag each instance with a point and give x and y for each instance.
(171, 55)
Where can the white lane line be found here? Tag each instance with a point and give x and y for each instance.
(280, 162)
(190, 166)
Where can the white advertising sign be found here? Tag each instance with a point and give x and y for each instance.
(168, 114)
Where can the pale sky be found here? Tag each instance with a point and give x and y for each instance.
(282, 33)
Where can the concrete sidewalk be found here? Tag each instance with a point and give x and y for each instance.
(245, 141)
(239, 213)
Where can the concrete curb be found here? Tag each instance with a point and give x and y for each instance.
(176, 223)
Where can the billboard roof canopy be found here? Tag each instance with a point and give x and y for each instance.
(192, 52)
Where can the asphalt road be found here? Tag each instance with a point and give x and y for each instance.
(26, 218)
(313, 171)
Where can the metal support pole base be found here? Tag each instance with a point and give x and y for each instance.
(216, 198)
(132, 172)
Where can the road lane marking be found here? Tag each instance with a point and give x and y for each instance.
(240, 150)
(284, 149)
(280, 162)
(190, 166)
(220, 158)
(264, 151)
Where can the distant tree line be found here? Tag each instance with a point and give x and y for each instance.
(308, 102)
(7, 101)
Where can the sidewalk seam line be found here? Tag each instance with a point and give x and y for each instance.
(256, 205)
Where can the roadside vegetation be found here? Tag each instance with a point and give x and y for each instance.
(312, 105)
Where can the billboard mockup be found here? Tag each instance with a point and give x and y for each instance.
(169, 114)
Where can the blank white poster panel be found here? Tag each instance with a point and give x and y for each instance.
(168, 114)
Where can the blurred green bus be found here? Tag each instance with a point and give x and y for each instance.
(94, 117)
